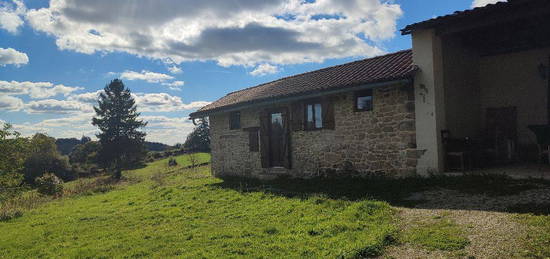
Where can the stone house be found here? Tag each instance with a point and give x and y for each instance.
(480, 74)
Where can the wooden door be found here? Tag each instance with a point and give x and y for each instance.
(277, 139)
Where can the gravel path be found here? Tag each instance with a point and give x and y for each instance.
(493, 233)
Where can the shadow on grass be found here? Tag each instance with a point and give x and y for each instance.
(393, 191)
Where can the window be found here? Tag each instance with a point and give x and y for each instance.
(235, 120)
(314, 116)
(363, 101)
(253, 139)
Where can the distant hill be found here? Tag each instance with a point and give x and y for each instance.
(155, 146)
(66, 145)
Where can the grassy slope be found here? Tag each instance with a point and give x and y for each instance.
(192, 215)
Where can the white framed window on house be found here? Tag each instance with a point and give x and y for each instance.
(313, 116)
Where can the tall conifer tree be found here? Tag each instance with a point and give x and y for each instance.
(122, 144)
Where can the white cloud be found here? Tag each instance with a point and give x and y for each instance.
(481, 3)
(194, 105)
(162, 129)
(167, 130)
(35, 90)
(264, 69)
(52, 106)
(68, 126)
(175, 69)
(83, 103)
(146, 102)
(163, 102)
(79, 121)
(10, 15)
(238, 32)
(176, 85)
(11, 56)
(150, 77)
(89, 98)
(10, 103)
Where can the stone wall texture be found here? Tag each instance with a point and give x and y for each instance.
(362, 143)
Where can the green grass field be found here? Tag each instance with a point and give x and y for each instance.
(166, 211)
(160, 211)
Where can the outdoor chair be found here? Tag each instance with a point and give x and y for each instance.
(458, 152)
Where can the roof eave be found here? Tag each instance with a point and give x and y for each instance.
(302, 96)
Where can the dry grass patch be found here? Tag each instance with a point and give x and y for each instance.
(14, 207)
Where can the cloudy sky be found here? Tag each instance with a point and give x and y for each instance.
(178, 55)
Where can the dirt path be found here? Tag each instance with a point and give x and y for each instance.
(492, 233)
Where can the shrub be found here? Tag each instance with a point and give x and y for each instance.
(10, 185)
(37, 164)
(85, 153)
(49, 184)
(44, 157)
(172, 162)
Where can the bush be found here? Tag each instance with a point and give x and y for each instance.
(49, 184)
(11, 184)
(36, 166)
(44, 157)
(172, 162)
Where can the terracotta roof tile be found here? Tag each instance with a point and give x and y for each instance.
(389, 67)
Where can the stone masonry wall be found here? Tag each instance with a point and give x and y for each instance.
(377, 141)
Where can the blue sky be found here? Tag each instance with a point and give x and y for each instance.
(178, 55)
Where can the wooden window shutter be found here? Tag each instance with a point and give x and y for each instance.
(328, 113)
(253, 139)
(297, 115)
(264, 139)
(286, 141)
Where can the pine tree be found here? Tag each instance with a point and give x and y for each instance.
(199, 139)
(122, 144)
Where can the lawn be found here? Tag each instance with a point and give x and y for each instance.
(160, 211)
(437, 234)
(163, 211)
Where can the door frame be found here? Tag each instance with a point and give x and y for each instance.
(286, 144)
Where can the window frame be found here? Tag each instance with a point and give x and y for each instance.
(313, 103)
(363, 93)
(232, 117)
